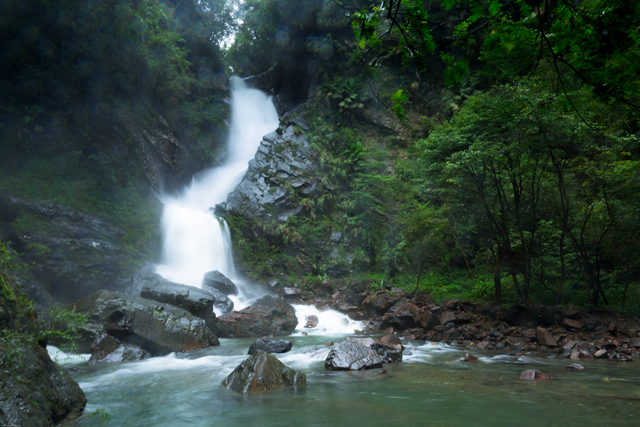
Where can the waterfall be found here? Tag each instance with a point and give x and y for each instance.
(194, 241)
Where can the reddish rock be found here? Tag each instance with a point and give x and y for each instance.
(534, 374)
(572, 324)
(569, 345)
(575, 355)
(388, 331)
(635, 342)
(391, 341)
(469, 358)
(545, 338)
(449, 316)
(482, 345)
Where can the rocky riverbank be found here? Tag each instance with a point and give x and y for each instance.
(562, 332)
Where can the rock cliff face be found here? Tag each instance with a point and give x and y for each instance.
(72, 254)
(284, 167)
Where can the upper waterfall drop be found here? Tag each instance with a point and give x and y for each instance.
(194, 241)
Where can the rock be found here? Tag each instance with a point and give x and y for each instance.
(635, 342)
(349, 355)
(72, 254)
(196, 301)
(388, 354)
(312, 321)
(534, 374)
(156, 327)
(378, 303)
(34, 390)
(601, 353)
(409, 315)
(469, 358)
(447, 317)
(482, 345)
(574, 367)
(291, 292)
(267, 315)
(271, 346)
(574, 324)
(545, 338)
(107, 349)
(391, 341)
(216, 280)
(260, 372)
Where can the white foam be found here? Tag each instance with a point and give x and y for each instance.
(330, 322)
(62, 358)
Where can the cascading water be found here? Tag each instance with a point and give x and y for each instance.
(196, 242)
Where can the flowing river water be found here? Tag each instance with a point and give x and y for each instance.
(430, 387)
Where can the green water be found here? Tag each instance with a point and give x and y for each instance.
(431, 387)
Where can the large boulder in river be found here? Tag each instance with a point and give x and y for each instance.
(107, 349)
(157, 328)
(352, 356)
(199, 302)
(262, 371)
(216, 280)
(271, 346)
(266, 316)
(34, 390)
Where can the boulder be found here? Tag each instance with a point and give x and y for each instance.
(533, 374)
(409, 315)
(267, 315)
(312, 321)
(391, 341)
(260, 372)
(350, 355)
(271, 346)
(289, 292)
(378, 303)
(216, 280)
(469, 358)
(107, 349)
(155, 327)
(34, 390)
(199, 302)
(545, 338)
(573, 324)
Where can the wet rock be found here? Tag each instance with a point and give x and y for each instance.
(635, 342)
(534, 374)
(387, 353)
(216, 280)
(107, 349)
(34, 390)
(601, 353)
(312, 321)
(391, 341)
(267, 315)
(482, 345)
(409, 315)
(545, 338)
(349, 355)
(291, 292)
(469, 358)
(271, 346)
(196, 301)
(378, 303)
(574, 367)
(156, 327)
(72, 254)
(260, 372)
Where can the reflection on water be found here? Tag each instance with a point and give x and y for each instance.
(432, 387)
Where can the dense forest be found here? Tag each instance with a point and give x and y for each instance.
(474, 148)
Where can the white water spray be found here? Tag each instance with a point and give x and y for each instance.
(195, 242)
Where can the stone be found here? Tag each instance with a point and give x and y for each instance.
(569, 345)
(573, 324)
(391, 341)
(447, 317)
(291, 292)
(635, 342)
(260, 372)
(574, 367)
(35, 391)
(271, 346)
(409, 315)
(534, 374)
(349, 355)
(469, 358)
(155, 327)
(216, 280)
(601, 353)
(107, 349)
(545, 338)
(482, 345)
(312, 321)
(267, 315)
